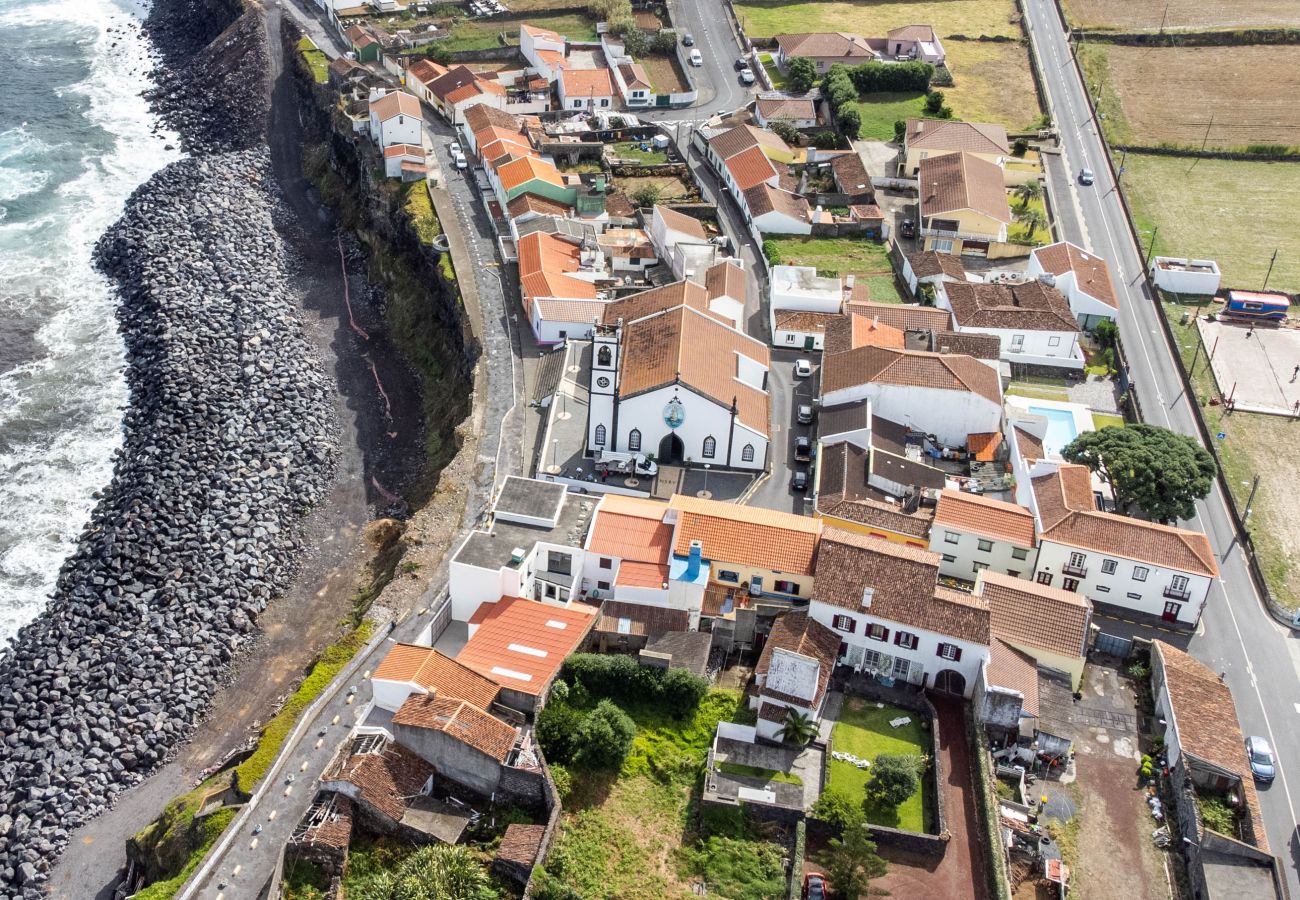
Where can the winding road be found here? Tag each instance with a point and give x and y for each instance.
(1237, 636)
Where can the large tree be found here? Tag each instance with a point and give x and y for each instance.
(800, 74)
(1159, 470)
(894, 778)
(851, 863)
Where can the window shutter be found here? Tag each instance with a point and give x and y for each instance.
(853, 625)
(939, 650)
(898, 638)
(956, 654)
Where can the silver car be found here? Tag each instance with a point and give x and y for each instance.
(1262, 762)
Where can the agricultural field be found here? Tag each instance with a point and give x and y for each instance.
(1244, 203)
(480, 34)
(1188, 15)
(843, 256)
(1226, 97)
(993, 81)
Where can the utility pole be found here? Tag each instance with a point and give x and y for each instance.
(1164, 17)
(1205, 140)
(1245, 514)
(1151, 249)
(1270, 270)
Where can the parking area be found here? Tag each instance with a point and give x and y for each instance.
(788, 393)
(1258, 368)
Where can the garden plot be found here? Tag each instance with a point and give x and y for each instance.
(1187, 15)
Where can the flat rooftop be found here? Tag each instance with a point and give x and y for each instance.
(494, 549)
(527, 497)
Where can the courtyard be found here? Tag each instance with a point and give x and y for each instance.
(863, 731)
(1258, 368)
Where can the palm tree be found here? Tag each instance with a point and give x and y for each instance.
(1028, 192)
(1033, 220)
(798, 728)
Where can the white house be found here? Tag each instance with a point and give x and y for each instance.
(532, 547)
(395, 119)
(893, 619)
(1083, 277)
(915, 42)
(1145, 567)
(727, 288)
(1032, 321)
(627, 249)
(948, 395)
(544, 49)
(586, 89)
(413, 669)
(751, 162)
(800, 303)
(680, 240)
(793, 672)
(683, 385)
(798, 112)
(628, 550)
(774, 210)
(973, 533)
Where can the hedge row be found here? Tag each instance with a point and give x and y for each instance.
(625, 680)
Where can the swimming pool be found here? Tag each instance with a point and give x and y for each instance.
(1060, 428)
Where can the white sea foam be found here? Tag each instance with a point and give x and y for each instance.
(60, 409)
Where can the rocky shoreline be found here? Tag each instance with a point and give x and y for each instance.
(230, 438)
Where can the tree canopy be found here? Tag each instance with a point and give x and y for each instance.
(894, 778)
(800, 74)
(1161, 471)
(851, 862)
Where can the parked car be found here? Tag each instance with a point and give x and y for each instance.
(805, 414)
(696, 58)
(1086, 177)
(907, 228)
(803, 448)
(799, 481)
(814, 886)
(688, 39)
(1261, 759)
(455, 149)
(459, 159)
(802, 368)
(742, 62)
(747, 75)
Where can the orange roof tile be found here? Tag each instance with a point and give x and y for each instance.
(521, 171)
(394, 104)
(1091, 272)
(408, 663)
(1035, 615)
(393, 150)
(544, 260)
(425, 70)
(587, 83)
(1015, 670)
(797, 632)
(748, 535)
(388, 780)
(529, 202)
(677, 221)
(524, 643)
(458, 719)
(984, 516)
(750, 168)
(630, 537)
(641, 575)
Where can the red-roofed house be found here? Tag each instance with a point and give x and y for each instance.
(557, 280)
(1083, 277)
(460, 88)
(628, 548)
(395, 118)
(587, 89)
(793, 672)
(422, 73)
(973, 533)
(544, 50)
(405, 161)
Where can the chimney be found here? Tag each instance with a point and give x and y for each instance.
(693, 560)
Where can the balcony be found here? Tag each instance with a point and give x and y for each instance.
(1179, 594)
(1075, 571)
(947, 228)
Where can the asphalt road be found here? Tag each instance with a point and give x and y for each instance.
(1260, 658)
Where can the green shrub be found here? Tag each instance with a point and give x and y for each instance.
(604, 737)
(557, 732)
(894, 778)
(624, 679)
(838, 809)
(563, 781)
(1218, 816)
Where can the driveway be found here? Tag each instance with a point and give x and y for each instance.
(962, 871)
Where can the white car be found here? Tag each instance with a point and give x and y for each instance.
(460, 161)
(455, 149)
(802, 368)
(697, 58)
(747, 75)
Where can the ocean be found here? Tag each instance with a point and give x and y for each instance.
(76, 138)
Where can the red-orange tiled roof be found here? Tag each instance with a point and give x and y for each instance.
(393, 150)
(1038, 616)
(395, 103)
(750, 168)
(434, 672)
(678, 221)
(641, 575)
(387, 781)
(580, 83)
(630, 536)
(523, 645)
(746, 535)
(544, 261)
(425, 70)
(521, 171)
(458, 719)
(986, 517)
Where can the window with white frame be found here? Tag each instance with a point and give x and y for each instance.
(1108, 566)
(984, 546)
(877, 632)
(941, 245)
(949, 558)
(979, 566)
(844, 623)
(1054, 342)
(902, 668)
(600, 435)
(951, 537)
(906, 640)
(710, 447)
(747, 453)
(1019, 553)
(950, 652)
(1017, 343)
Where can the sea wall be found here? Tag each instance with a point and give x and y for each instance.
(229, 438)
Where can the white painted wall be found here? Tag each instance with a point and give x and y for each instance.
(703, 418)
(961, 555)
(1120, 588)
(1186, 282)
(799, 288)
(775, 222)
(390, 695)
(925, 655)
(400, 129)
(949, 415)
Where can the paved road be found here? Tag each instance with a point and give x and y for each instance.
(1265, 679)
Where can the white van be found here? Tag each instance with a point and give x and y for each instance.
(696, 58)
(627, 463)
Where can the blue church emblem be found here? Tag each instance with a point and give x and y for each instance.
(674, 413)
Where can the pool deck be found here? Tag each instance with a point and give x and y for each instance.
(1082, 415)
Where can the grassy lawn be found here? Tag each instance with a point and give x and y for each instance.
(1101, 420)
(482, 34)
(864, 730)
(420, 208)
(632, 150)
(769, 65)
(1249, 448)
(729, 768)
(1038, 391)
(316, 60)
(879, 112)
(993, 81)
(1247, 202)
(842, 256)
(1019, 232)
(632, 836)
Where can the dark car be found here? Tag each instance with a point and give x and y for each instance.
(814, 886)
(688, 39)
(799, 481)
(802, 448)
(907, 228)
(742, 62)
(1086, 177)
(1260, 754)
(806, 413)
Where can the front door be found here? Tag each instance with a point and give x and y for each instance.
(809, 343)
(1171, 612)
(671, 450)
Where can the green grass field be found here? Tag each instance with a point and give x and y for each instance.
(864, 731)
(482, 34)
(316, 60)
(1234, 212)
(632, 150)
(842, 256)
(1104, 421)
(1019, 231)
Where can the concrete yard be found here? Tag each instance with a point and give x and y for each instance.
(1256, 368)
